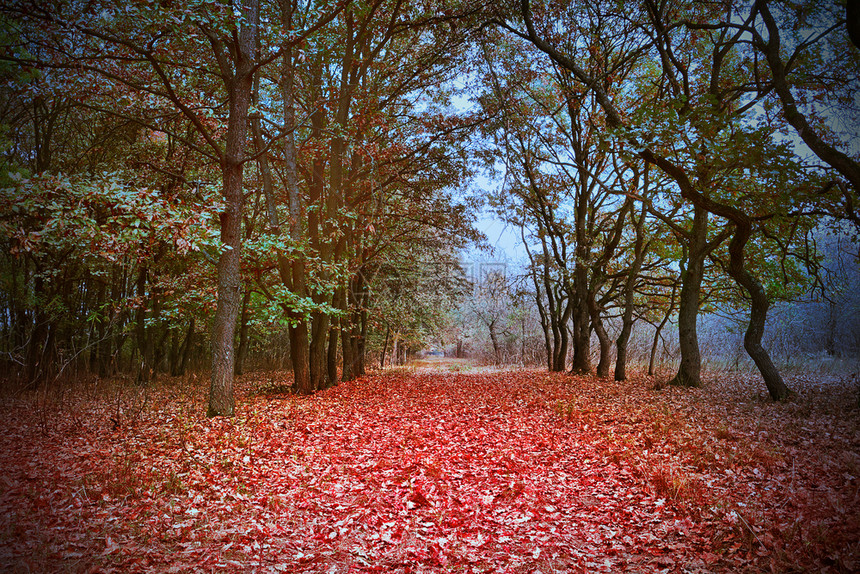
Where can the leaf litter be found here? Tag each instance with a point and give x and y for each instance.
(507, 471)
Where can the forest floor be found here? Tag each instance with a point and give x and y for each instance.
(446, 470)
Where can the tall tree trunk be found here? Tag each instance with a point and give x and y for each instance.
(497, 354)
(298, 330)
(239, 88)
(345, 337)
(602, 338)
(562, 336)
(318, 350)
(331, 355)
(630, 292)
(759, 305)
(347, 352)
(221, 401)
(545, 328)
(299, 344)
(690, 369)
(581, 335)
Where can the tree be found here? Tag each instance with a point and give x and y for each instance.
(553, 136)
(130, 46)
(67, 240)
(830, 79)
(714, 104)
(362, 159)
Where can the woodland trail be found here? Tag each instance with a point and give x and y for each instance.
(417, 472)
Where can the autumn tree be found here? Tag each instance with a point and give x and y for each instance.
(813, 57)
(561, 184)
(707, 152)
(374, 150)
(131, 47)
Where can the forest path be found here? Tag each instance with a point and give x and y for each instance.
(508, 471)
(443, 364)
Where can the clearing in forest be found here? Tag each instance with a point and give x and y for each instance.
(433, 472)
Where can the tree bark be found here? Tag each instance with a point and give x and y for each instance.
(331, 355)
(629, 293)
(759, 305)
(494, 338)
(690, 369)
(239, 87)
(581, 336)
(602, 338)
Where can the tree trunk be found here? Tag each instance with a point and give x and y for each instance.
(221, 401)
(759, 305)
(347, 351)
(346, 346)
(581, 336)
(602, 338)
(630, 292)
(493, 337)
(239, 87)
(243, 334)
(299, 343)
(318, 357)
(690, 370)
(621, 343)
(331, 355)
(545, 327)
(144, 341)
(177, 369)
(384, 347)
(561, 336)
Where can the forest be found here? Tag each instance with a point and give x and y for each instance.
(251, 318)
